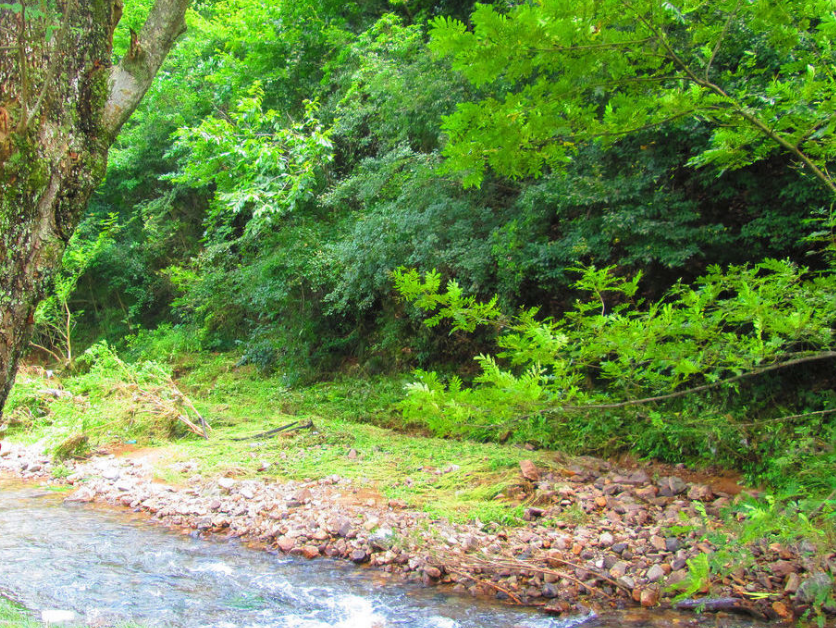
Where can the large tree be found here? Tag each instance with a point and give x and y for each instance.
(62, 104)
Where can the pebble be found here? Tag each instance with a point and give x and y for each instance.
(310, 519)
(655, 573)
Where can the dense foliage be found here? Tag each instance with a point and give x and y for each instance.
(295, 155)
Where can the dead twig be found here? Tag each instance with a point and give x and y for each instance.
(487, 583)
(290, 427)
(530, 566)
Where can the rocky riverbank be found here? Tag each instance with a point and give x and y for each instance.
(596, 536)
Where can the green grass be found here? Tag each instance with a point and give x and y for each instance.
(460, 480)
(14, 616)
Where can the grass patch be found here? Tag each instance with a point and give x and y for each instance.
(352, 435)
(13, 615)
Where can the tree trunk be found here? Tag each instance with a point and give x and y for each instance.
(61, 106)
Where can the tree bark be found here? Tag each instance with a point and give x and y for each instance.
(61, 106)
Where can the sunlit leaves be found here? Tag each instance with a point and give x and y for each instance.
(557, 73)
(260, 166)
(610, 348)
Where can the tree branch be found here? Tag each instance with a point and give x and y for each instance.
(635, 402)
(131, 78)
(737, 107)
(720, 39)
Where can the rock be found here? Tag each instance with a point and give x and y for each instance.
(658, 543)
(783, 568)
(606, 540)
(672, 544)
(57, 617)
(358, 556)
(655, 573)
(672, 485)
(649, 597)
(627, 582)
(226, 483)
(533, 513)
(619, 547)
(619, 569)
(529, 471)
(382, 539)
(432, 572)
(700, 492)
(112, 474)
(792, 583)
(636, 479)
(557, 607)
(397, 504)
(549, 590)
(352, 454)
(342, 528)
(781, 610)
(647, 493)
(813, 586)
(310, 551)
(286, 543)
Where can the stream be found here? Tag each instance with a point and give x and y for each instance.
(111, 566)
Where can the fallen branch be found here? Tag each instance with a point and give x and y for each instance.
(290, 427)
(487, 583)
(718, 604)
(188, 403)
(528, 566)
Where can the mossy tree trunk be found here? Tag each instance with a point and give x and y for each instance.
(61, 106)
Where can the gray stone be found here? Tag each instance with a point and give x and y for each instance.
(655, 573)
(813, 586)
(358, 556)
(619, 569)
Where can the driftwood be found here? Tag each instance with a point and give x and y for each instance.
(720, 604)
(290, 427)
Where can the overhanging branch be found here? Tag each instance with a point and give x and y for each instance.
(682, 393)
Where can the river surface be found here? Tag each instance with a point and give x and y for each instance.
(110, 566)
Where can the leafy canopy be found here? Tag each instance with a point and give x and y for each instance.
(560, 72)
(258, 163)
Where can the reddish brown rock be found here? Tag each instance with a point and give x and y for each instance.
(529, 470)
(310, 551)
(432, 572)
(649, 597)
(285, 543)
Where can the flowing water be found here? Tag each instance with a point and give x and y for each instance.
(111, 566)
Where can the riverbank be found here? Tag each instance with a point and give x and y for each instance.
(596, 536)
(524, 526)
